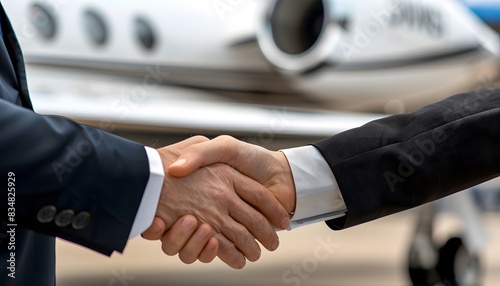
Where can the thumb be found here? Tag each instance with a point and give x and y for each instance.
(218, 150)
(186, 164)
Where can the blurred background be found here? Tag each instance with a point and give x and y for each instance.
(277, 73)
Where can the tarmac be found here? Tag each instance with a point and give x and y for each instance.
(373, 254)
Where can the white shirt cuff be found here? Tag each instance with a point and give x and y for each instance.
(318, 195)
(149, 202)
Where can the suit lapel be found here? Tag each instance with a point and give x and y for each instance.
(13, 56)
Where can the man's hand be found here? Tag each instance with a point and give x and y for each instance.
(233, 205)
(186, 237)
(267, 167)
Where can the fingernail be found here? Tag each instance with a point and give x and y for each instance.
(179, 163)
(276, 244)
(285, 223)
(241, 264)
(188, 224)
(257, 257)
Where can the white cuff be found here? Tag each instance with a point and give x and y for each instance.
(149, 202)
(318, 195)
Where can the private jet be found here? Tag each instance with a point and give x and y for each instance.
(269, 71)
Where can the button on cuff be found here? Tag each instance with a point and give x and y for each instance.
(64, 218)
(46, 214)
(81, 220)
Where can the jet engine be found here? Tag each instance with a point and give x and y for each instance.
(298, 35)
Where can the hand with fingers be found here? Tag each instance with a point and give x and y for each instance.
(234, 209)
(269, 168)
(186, 237)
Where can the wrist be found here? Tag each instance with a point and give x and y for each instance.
(285, 182)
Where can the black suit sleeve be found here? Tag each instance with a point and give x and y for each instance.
(72, 167)
(402, 161)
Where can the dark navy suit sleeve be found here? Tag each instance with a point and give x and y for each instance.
(76, 169)
(72, 181)
(402, 161)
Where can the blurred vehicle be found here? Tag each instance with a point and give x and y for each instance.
(377, 56)
(267, 68)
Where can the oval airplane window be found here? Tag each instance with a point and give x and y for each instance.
(42, 18)
(95, 27)
(144, 33)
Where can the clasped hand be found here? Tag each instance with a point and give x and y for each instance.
(219, 196)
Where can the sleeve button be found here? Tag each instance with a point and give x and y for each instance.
(46, 214)
(81, 220)
(64, 218)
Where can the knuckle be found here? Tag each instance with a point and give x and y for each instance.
(199, 138)
(260, 196)
(226, 139)
(221, 198)
(257, 224)
(247, 243)
(229, 144)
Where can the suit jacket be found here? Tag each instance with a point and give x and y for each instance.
(71, 181)
(402, 161)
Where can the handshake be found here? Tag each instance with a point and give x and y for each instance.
(218, 197)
